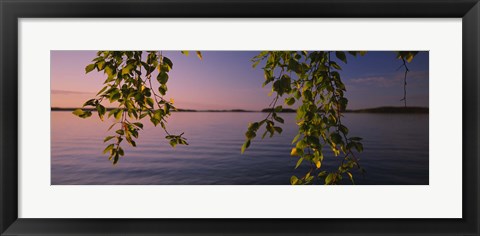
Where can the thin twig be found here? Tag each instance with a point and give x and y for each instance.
(405, 82)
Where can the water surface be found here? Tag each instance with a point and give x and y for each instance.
(395, 151)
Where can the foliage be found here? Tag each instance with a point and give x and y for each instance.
(313, 80)
(128, 85)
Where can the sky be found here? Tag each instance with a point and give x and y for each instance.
(226, 80)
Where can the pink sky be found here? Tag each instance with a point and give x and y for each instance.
(193, 83)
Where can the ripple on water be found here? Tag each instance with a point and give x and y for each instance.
(396, 151)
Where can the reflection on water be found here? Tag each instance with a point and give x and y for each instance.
(396, 151)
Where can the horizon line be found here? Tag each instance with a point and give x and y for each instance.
(385, 109)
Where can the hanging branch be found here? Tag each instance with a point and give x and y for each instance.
(404, 99)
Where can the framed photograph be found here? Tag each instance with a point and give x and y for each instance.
(239, 117)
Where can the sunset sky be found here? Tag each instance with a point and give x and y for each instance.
(226, 80)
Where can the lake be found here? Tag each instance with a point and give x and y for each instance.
(396, 151)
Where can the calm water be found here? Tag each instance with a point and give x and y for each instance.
(396, 151)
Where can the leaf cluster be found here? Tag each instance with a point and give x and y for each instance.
(128, 85)
(313, 81)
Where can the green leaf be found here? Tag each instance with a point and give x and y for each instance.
(318, 155)
(114, 95)
(293, 65)
(294, 152)
(278, 129)
(293, 180)
(109, 71)
(336, 138)
(296, 138)
(173, 142)
(299, 162)
(115, 158)
(250, 134)
(89, 68)
(317, 163)
(108, 138)
(245, 146)
(199, 55)
(127, 69)
(101, 65)
(162, 89)
(118, 114)
(322, 174)
(154, 121)
(120, 151)
(108, 148)
(98, 59)
(130, 141)
(297, 94)
(278, 118)
(407, 55)
(409, 58)
(167, 61)
(343, 103)
(351, 177)
(90, 102)
(254, 126)
(162, 77)
(270, 129)
(78, 112)
(359, 147)
(301, 112)
(139, 125)
(134, 133)
(158, 114)
(301, 144)
(182, 141)
(290, 101)
(149, 102)
(343, 129)
(101, 111)
(335, 65)
(330, 178)
(341, 55)
(82, 114)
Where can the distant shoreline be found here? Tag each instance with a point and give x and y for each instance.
(384, 110)
(390, 110)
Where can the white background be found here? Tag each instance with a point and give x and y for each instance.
(441, 199)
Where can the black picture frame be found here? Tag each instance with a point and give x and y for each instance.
(12, 10)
